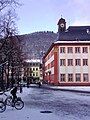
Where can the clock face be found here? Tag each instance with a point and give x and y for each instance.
(62, 25)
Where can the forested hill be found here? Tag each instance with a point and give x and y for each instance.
(34, 45)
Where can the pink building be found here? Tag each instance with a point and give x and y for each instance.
(67, 62)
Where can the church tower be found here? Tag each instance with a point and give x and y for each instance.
(61, 25)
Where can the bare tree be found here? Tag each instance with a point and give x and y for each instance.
(7, 25)
(9, 45)
(7, 19)
(5, 3)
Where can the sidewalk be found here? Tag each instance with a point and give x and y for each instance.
(83, 89)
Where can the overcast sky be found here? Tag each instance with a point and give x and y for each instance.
(43, 15)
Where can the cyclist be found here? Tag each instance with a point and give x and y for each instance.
(13, 92)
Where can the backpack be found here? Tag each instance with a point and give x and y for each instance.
(13, 91)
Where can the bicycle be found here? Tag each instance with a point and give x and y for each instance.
(2, 106)
(18, 103)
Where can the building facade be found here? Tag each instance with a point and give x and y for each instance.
(32, 70)
(67, 62)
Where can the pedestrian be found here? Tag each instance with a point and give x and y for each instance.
(39, 83)
(20, 88)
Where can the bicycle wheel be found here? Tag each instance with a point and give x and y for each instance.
(8, 101)
(2, 106)
(19, 104)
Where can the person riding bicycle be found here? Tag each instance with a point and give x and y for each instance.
(13, 92)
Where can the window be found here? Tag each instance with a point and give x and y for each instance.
(52, 63)
(62, 62)
(70, 77)
(33, 74)
(77, 62)
(49, 66)
(49, 56)
(36, 69)
(33, 64)
(36, 73)
(85, 62)
(78, 77)
(30, 69)
(62, 49)
(62, 76)
(30, 64)
(45, 67)
(70, 50)
(37, 64)
(30, 74)
(85, 77)
(33, 69)
(77, 49)
(85, 50)
(70, 62)
(27, 69)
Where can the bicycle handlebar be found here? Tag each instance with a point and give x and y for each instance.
(3, 92)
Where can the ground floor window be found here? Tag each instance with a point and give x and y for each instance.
(36, 73)
(78, 77)
(70, 77)
(85, 77)
(62, 77)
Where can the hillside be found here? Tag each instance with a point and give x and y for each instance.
(34, 45)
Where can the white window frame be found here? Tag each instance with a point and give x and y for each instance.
(62, 49)
(70, 77)
(78, 77)
(85, 77)
(62, 77)
(70, 62)
(62, 62)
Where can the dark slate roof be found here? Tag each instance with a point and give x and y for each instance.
(75, 33)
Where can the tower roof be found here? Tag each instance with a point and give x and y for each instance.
(61, 20)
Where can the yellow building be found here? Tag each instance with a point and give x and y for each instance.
(33, 70)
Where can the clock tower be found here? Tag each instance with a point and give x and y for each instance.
(61, 25)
